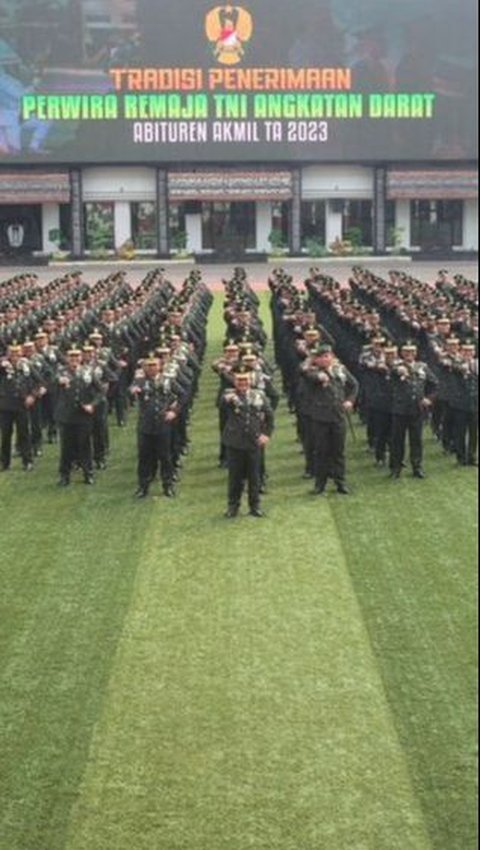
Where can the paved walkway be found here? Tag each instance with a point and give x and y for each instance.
(258, 273)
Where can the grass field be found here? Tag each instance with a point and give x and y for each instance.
(171, 680)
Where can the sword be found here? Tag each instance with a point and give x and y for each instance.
(350, 426)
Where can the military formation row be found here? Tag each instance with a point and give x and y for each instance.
(407, 370)
(86, 351)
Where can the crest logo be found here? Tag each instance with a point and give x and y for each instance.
(15, 235)
(229, 28)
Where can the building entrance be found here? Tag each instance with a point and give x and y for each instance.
(228, 227)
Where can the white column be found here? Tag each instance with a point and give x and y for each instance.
(193, 227)
(50, 221)
(263, 225)
(333, 225)
(470, 225)
(122, 223)
(402, 221)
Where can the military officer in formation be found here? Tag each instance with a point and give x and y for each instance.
(159, 406)
(79, 392)
(320, 388)
(379, 397)
(247, 431)
(224, 367)
(246, 397)
(20, 388)
(465, 405)
(413, 391)
(100, 433)
(330, 392)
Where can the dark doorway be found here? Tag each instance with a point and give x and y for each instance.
(228, 227)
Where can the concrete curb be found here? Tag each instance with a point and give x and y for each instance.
(278, 261)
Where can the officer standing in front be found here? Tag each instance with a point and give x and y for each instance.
(248, 427)
(332, 392)
(159, 406)
(77, 395)
(413, 391)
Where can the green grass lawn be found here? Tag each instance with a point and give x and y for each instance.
(171, 680)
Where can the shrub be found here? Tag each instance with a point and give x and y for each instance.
(277, 242)
(315, 248)
(354, 236)
(180, 241)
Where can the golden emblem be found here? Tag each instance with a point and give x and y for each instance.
(228, 27)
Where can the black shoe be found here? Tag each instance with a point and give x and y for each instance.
(28, 467)
(63, 481)
(141, 492)
(169, 492)
(342, 489)
(88, 479)
(101, 464)
(395, 473)
(418, 473)
(318, 490)
(257, 512)
(231, 513)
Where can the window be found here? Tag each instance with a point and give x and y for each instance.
(99, 227)
(144, 225)
(65, 240)
(224, 220)
(176, 225)
(393, 233)
(281, 219)
(313, 221)
(357, 222)
(436, 224)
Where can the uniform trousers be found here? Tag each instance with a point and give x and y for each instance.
(465, 435)
(329, 451)
(100, 431)
(382, 426)
(244, 465)
(403, 424)
(155, 449)
(75, 447)
(19, 418)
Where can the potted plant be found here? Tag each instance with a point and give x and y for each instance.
(396, 240)
(55, 237)
(354, 236)
(180, 242)
(126, 251)
(340, 247)
(279, 246)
